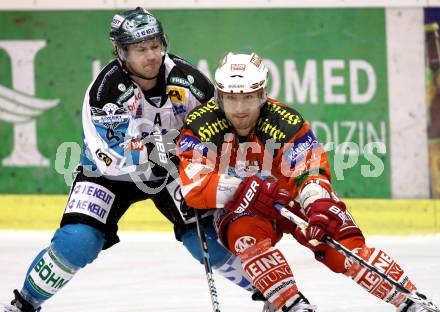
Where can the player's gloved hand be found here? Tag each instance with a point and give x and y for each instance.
(258, 196)
(161, 147)
(326, 217)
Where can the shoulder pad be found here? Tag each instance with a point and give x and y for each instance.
(208, 122)
(111, 86)
(186, 75)
(278, 121)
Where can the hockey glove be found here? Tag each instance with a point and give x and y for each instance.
(258, 196)
(161, 149)
(329, 217)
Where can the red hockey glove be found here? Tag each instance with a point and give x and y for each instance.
(326, 216)
(259, 197)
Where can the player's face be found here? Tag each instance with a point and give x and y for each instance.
(242, 110)
(144, 58)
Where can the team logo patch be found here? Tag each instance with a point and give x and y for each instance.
(243, 243)
(111, 115)
(90, 199)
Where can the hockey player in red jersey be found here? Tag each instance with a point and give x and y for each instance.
(242, 153)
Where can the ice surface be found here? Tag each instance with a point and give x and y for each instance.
(153, 272)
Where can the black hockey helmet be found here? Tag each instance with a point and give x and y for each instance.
(136, 25)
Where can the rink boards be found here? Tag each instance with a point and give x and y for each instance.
(374, 216)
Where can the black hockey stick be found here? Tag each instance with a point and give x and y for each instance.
(413, 296)
(207, 263)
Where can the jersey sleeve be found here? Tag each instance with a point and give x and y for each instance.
(203, 186)
(303, 159)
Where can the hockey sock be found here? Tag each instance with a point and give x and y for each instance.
(222, 260)
(372, 282)
(233, 271)
(46, 276)
(270, 273)
(73, 247)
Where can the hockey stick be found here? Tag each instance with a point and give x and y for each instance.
(207, 263)
(413, 296)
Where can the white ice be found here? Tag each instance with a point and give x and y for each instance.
(153, 272)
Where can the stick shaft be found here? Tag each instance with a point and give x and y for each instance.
(207, 263)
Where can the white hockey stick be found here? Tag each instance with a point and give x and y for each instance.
(207, 263)
(413, 296)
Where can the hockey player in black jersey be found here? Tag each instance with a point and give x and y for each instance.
(131, 114)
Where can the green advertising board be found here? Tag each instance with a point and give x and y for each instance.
(329, 64)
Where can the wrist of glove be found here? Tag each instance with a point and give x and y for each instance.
(259, 197)
(325, 217)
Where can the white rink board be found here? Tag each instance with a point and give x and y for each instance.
(152, 272)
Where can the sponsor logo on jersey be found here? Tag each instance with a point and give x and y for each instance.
(300, 148)
(90, 199)
(138, 113)
(104, 157)
(131, 107)
(264, 125)
(121, 87)
(136, 145)
(176, 94)
(250, 194)
(128, 93)
(211, 129)
(243, 243)
(246, 167)
(177, 98)
(189, 143)
(290, 117)
(209, 107)
(185, 83)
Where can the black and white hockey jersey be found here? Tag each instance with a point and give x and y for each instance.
(117, 115)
